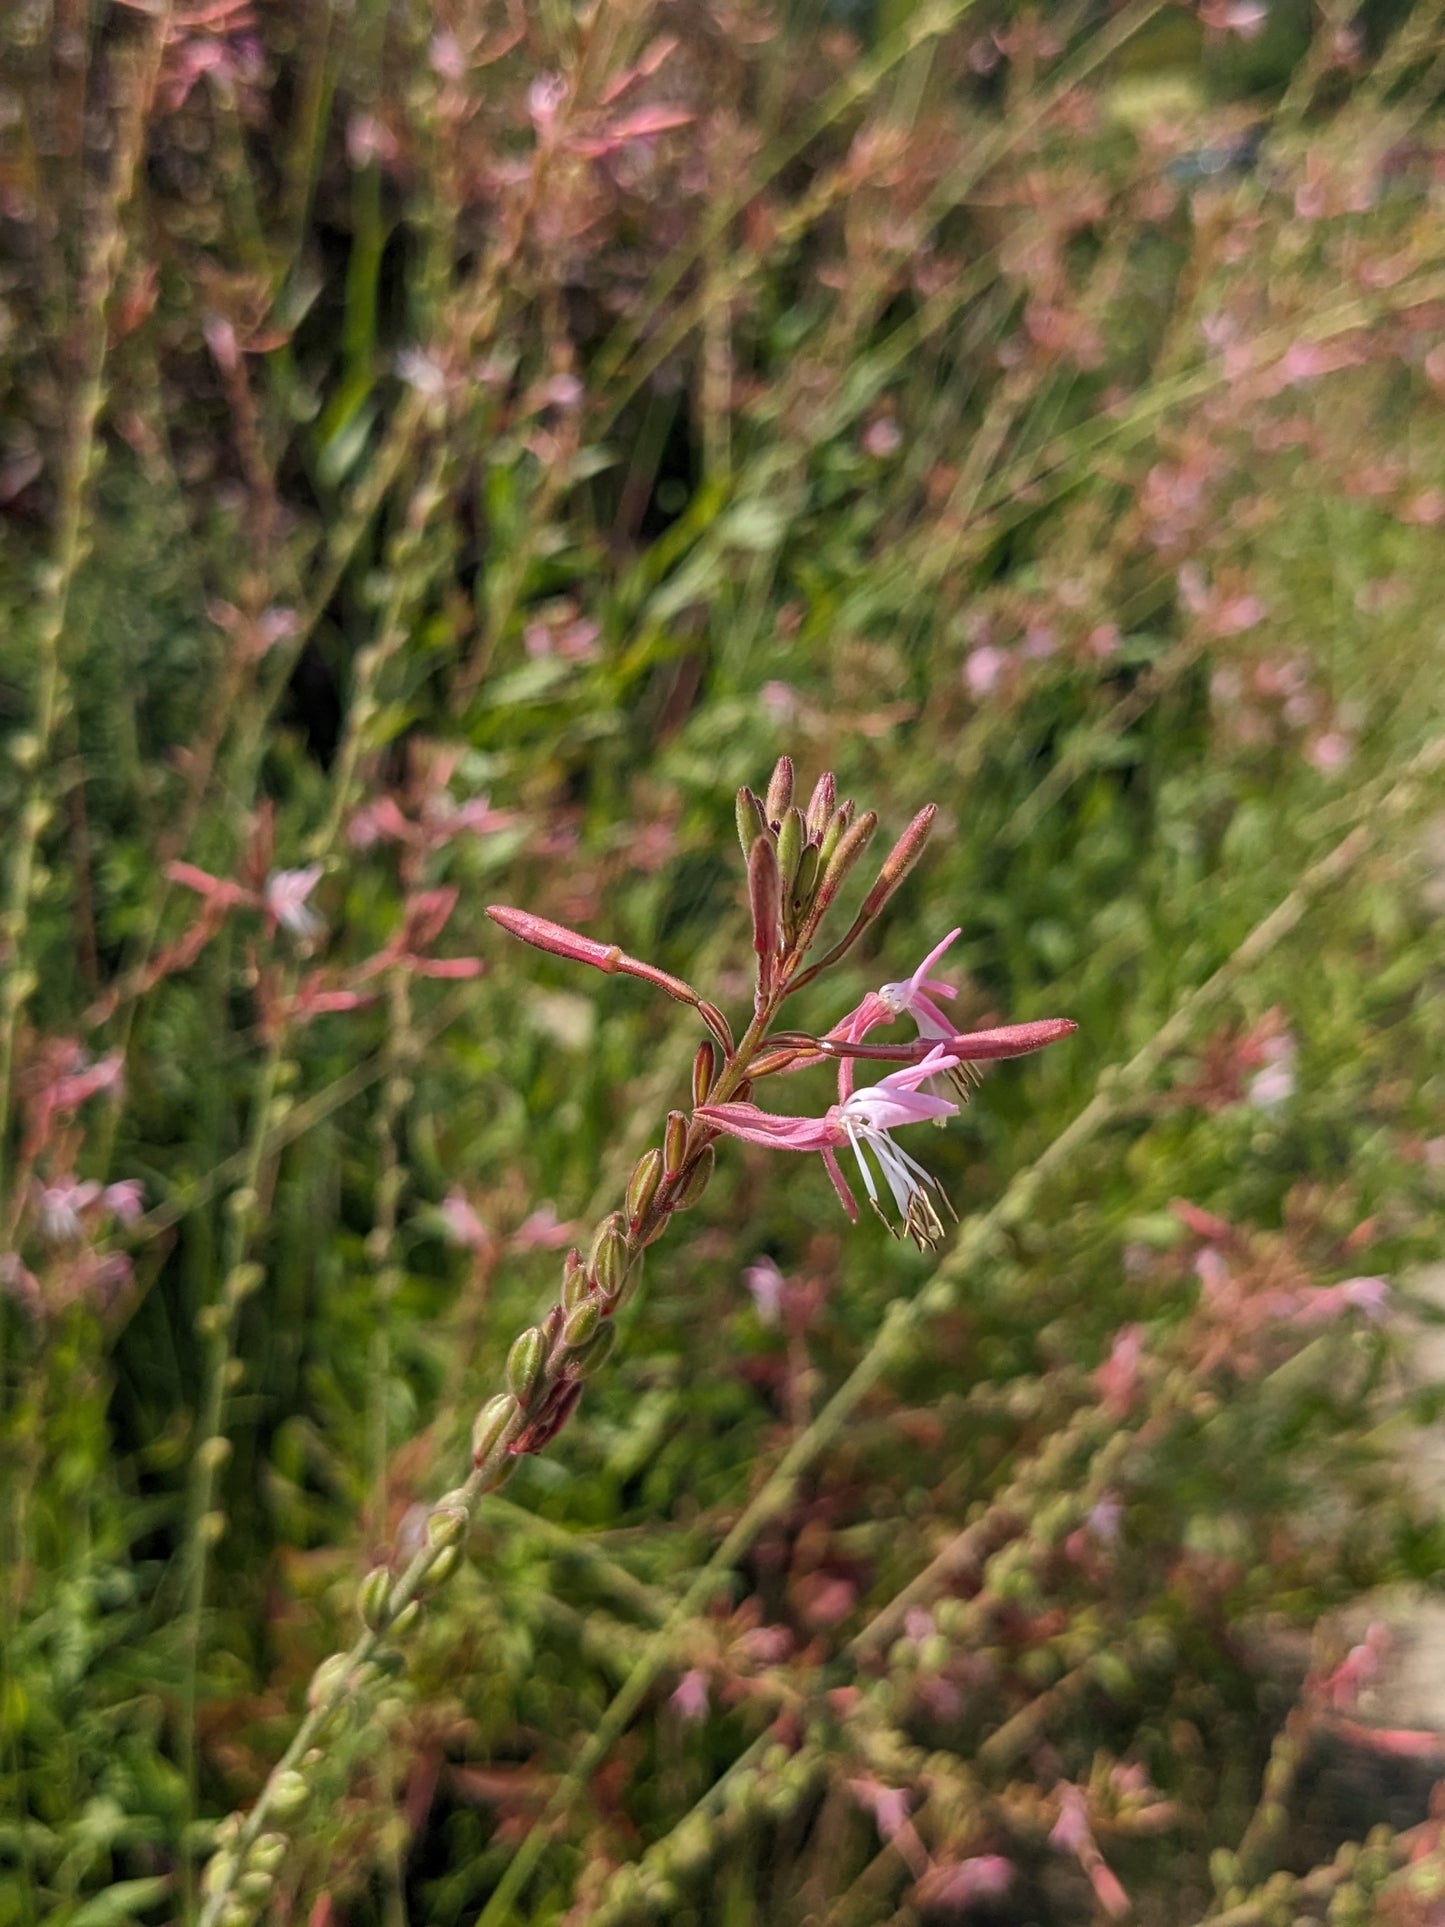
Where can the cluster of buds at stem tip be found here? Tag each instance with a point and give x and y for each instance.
(798, 860)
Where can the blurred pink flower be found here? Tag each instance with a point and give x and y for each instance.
(125, 1199)
(982, 668)
(983, 1876)
(286, 892)
(690, 1695)
(61, 1204)
(765, 1282)
(463, 1225)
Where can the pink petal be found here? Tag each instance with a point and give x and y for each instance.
(766, 1127)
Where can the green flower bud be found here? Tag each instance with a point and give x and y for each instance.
(574, 1279)
(792, 839)
(443, 1566)
(241, 1282)
(805, 881)
(255, 1884)
(406, 1618)
(674, 1144)
(751, 821)
(527, 1365)
(219, 1869)
(582, 1322)
(697, 1180)
(446, 1525)
(372, 1598)
(642, 1187)
(607, 1261)
(328, 1676)
(590, 1358)
(268, 1850)
(290, 1795)
(491, 1422)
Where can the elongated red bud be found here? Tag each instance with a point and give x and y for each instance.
(899, 861)
(766, 902)
(752, 823)
(820, 806)
(780, 790)
(543, 934)
(704, 1072)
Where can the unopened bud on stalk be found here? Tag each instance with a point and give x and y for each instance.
(780, 790)
(804, 881)
(582, 1323)
(373, 1597)
(704, 1072)
(642, 1186)
(446, 1525)
(491, 1422)
(765, 898)
(697, 1179)
(820, 806)
(792, 839)
(674, 1144)
(574, 1279)
(526, 1362)
(607, 1261)
(851, 844)
(443, 1566)
(899, 861)
(290, 1795)
(751, 821)
(594, 1355)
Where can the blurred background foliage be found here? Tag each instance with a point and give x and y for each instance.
(455, 447)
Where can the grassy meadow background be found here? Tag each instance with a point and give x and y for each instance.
(453, 447)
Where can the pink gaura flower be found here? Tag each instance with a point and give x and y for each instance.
(286, 893)
(690, 1695)
(863, 1119)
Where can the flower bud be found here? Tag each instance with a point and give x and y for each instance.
(446, 1525)
(582, 1323)
(406, 1618)
(290, 1795)
(642, 1186)
(328, 1676)
(595, 1354)
(792, 838)
(704, 1072)
(607, 1261)
(372, 1598)
(491, 1423)
(765, 900)
(574, 1279)
(846, 851)
(780, 790)
(442, 1567)
(526, 1364)
(751, 822)
(674, 1144)
(899, 861)
(820, 806)
(805, 881)
(697, 1179)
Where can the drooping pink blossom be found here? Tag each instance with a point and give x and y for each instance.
(864, 1119)
(765, 1282)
